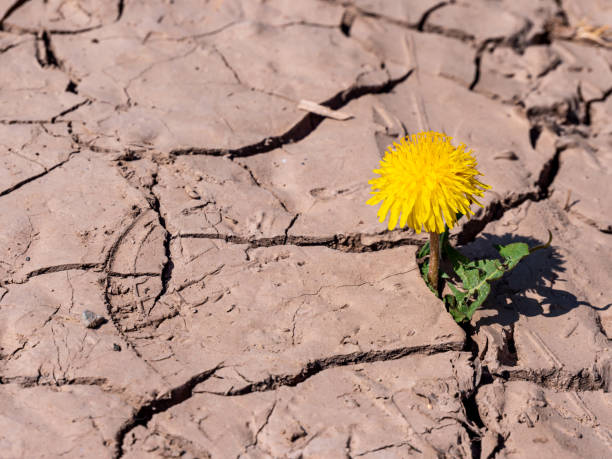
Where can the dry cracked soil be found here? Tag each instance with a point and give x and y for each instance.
(157, 172)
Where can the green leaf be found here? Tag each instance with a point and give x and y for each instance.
(423, 251)
(483, 293)
(457, 314)
(459, 295)
(424, 273)
(492, 269)
(450, 301)
(475, 275)
(425, 269)
(454, 256)
(444, 237)
(513, 253)
(457, 303)
(469, 277)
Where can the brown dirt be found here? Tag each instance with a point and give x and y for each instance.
(156, 170)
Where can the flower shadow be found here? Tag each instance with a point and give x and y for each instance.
(533, 288)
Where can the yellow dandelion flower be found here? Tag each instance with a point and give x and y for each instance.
(424, 181)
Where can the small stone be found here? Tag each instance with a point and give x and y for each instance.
(91, 319)
(116, 347)
(193, 194)
(27, 258)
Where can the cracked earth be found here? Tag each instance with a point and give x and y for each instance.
(157, 171)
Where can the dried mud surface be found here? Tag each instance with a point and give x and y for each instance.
(156, 171)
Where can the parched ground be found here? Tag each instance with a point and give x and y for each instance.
(157, 171)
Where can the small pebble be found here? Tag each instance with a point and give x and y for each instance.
(116, 347)
(91, 319)
(27, 258)
(193, 194)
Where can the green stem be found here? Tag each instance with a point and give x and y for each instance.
(434, 260)
(543, 246)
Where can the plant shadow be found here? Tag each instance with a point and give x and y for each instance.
(538, 274)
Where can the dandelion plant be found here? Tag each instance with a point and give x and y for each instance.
(427, 183)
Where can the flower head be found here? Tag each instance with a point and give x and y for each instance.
(426, 181)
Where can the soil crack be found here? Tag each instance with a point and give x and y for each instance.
(37, 176)
(356, 242)
(54, 269)
(34, 381)
(314, 367)
(496, 209)
(303, 128)
(166, 274)
(559, 379)
(147, 411)
(120, 9)
(14, 7)
(71, 109)
(421, 24)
